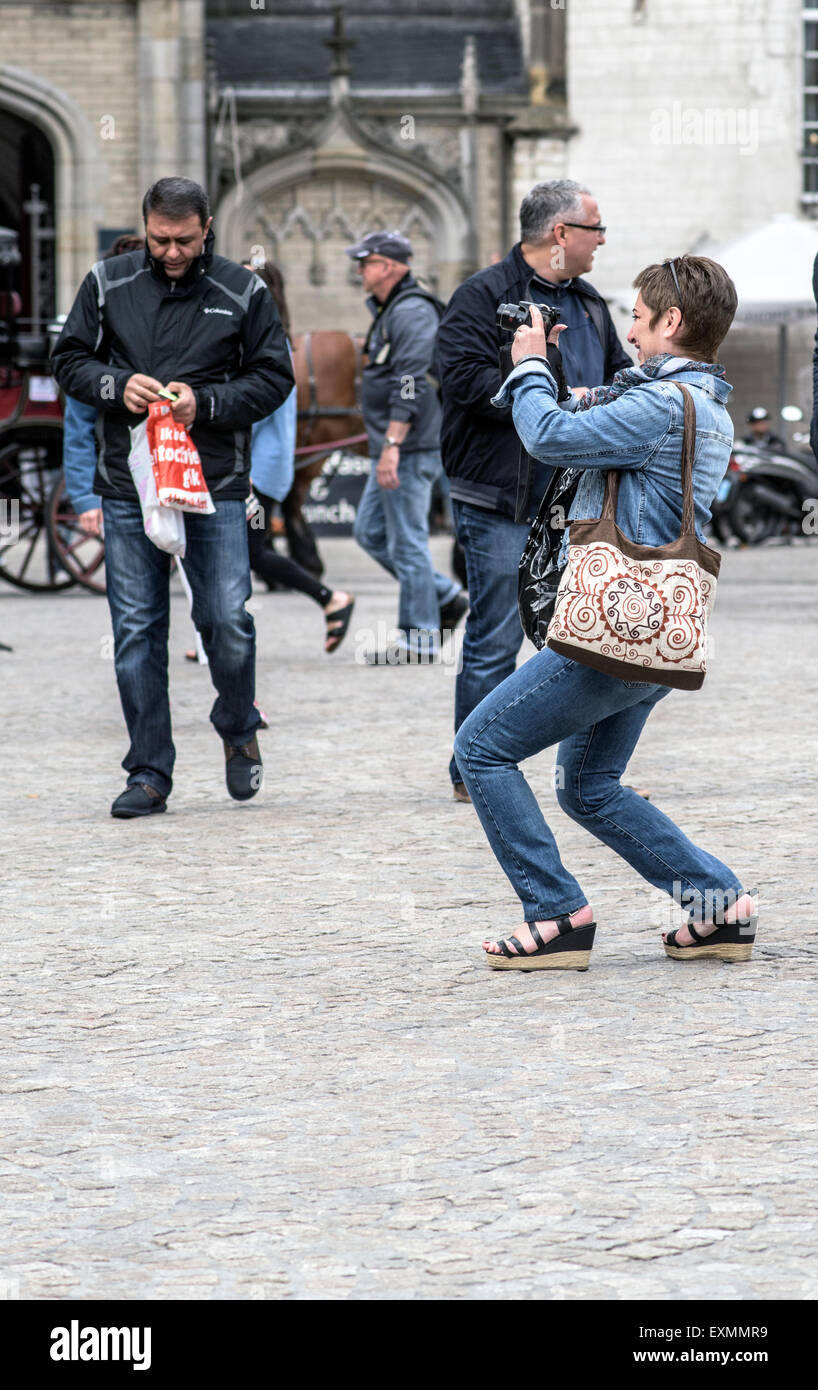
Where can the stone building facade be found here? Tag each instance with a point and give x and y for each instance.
(691, 124)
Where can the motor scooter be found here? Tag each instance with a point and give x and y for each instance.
(768, 493)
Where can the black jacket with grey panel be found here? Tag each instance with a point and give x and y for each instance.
(217, 329)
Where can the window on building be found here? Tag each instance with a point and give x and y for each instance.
(809, 193)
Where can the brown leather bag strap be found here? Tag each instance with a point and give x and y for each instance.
(611, 494)
(688, 452)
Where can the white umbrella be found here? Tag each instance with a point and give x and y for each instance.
(772, 272)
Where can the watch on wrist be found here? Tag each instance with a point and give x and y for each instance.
(393, 443)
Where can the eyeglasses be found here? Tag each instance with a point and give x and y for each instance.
(672, 267)
(584, 227)
(369, 260)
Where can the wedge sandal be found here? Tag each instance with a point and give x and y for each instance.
(571, 950)
(731, 942)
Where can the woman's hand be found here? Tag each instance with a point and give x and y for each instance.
(531, 341)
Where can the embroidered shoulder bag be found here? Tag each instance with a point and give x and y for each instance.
(635, 611)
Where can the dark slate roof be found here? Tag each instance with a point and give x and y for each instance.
(402, 51)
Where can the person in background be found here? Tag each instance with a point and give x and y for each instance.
(402, 419)
(560, 233)
(79, 449)
(272, 468)
(760, 432)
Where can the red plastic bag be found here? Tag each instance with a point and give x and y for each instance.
(177, 468)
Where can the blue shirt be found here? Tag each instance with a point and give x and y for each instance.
(272, 462)
(79, 454)
(583, 356)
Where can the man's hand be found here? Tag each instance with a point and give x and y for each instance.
(184, 410)
(579, 391)
(140, 391)
(528, 342)
(386, 471)
(91, 521)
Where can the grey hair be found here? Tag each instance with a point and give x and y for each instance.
(546, 204)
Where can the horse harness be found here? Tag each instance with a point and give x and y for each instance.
(315, 411)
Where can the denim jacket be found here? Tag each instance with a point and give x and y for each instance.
(640, 433)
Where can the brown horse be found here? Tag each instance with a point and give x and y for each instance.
(328, 368)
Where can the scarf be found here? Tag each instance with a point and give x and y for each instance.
(663, 364)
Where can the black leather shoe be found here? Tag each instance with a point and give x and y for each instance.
(453, 611)
(243, 769)
(138, 800)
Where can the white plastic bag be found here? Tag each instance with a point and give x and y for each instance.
(165, 526)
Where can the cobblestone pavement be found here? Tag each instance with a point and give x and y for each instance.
(252, 1051)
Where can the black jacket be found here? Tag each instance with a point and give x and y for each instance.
(814, 421)
(480, 447)
(216, 329)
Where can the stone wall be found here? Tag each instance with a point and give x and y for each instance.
(75, 67)
(118, 88)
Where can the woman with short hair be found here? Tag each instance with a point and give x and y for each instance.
(681, 316)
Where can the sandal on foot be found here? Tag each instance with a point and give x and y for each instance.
(731, 942)
(337, 624)
(571, 950)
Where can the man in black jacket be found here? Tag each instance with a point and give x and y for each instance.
(175, 316)
(560, 232)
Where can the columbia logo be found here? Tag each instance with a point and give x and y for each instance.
(229, 312)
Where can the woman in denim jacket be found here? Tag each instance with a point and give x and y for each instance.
(682, 314)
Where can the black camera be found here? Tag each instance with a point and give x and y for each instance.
(512, 316)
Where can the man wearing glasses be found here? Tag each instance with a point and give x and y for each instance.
(402, 419)
(560, 232)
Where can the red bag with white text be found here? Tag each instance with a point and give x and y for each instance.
(177, 468)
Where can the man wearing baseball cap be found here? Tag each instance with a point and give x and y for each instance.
(402, 418)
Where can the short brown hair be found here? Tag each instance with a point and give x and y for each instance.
(708, 297)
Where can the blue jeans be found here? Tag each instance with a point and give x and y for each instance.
(596, 720)
(137, 573)
(492, 545)
(393, 527)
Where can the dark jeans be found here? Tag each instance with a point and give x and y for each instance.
(492, 545)
(137, 573)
